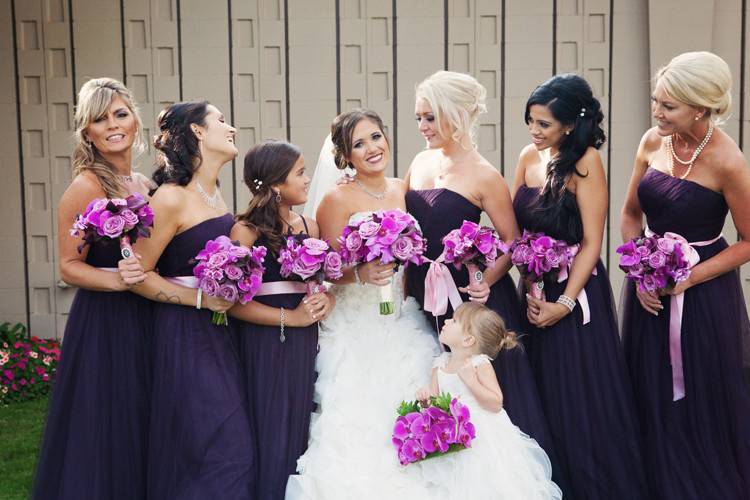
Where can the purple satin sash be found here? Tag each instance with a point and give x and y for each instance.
(676, 303)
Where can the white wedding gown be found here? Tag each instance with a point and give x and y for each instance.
(368, 364)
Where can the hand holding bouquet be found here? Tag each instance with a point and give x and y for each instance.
(475, 246)
(424, 432)
(311, 259)
(388, 235)
(656, 262)
(539, 257)
(119, 219)
(230, 271)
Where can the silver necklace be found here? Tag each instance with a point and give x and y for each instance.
(377, 196)
(211, 200)
(125, 178)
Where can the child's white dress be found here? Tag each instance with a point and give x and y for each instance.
(502, 463)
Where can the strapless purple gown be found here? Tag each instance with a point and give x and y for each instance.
(439, 211)
(582, 378)
(96, 437)
(280, 384)
(697, 448)
(201, 443)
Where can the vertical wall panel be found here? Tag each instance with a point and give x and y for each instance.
(12, 281)
(420, 53)
(312, 73)
(528, 52)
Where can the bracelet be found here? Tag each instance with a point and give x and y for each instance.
(567, 302)
(356, 275)
(198, 299)
(282, 337)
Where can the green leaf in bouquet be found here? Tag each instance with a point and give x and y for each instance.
(443, 401)
(407, 407)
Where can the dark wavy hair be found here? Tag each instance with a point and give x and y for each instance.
(267, 164)
(342, 130)
(572, 103)
(177, 143)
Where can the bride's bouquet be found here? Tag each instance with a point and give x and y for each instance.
(311, 259)
(388, 235)
(110, 219)
(425, 432)
(229, 270)
(539, 257)
(477, 247)
(656, 262)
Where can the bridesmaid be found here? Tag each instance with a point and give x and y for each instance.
(688, 174)
(451, 182)
(201, 445)
(280, 371)
(95, 441)
(560, 189)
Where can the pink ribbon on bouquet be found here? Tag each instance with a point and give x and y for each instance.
(439, 288)
(582, 298)
(186, 281)
(676, 303)
(281, 287)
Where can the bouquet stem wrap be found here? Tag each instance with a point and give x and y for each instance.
(676, 303)
(387, 305)
(475, 275)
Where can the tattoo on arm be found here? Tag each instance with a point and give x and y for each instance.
(169, 299)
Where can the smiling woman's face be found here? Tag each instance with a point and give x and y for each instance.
(115, 131)
(370, 151)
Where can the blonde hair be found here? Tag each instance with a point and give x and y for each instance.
(486, 326)
(699, 79)
(94, 100)
(457, 100)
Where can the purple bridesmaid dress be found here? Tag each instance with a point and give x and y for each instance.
(96, 437)
(280, 384)
(201, 442)
(582, 378)
(696, 448)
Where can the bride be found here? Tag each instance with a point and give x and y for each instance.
(368, 363)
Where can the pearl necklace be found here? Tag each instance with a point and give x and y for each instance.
(377, 196)
(673, 156)
(210, 200)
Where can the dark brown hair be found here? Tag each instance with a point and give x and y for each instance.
(342, 130)
(267, 164)
(177, 143)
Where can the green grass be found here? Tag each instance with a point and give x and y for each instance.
(20, 433)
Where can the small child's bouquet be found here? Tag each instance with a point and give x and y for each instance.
(539, 258)
(425, 432)
(656, 262)
(229, 270)
(109, 219)
(311, 259)
(475, 246)
(388, 235)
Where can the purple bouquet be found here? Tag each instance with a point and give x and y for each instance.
(311, 259)
(475, 246)
(539, 257)
(114, 219)
(425, 432)
(655, 262)
(229, 270)
(388, 235)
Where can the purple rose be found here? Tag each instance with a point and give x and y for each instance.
(214, 274)
(552, 257)
(315, 246)
(353, 241)
(113, 226)
(665, 245)
(657, 259)
(218, 259)
(643, 252)
(305, 266)
(131, 219)
(402, 249)
(333, 265)
(369, 229)
(209, 286)
(228, 292)
(232, 272)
